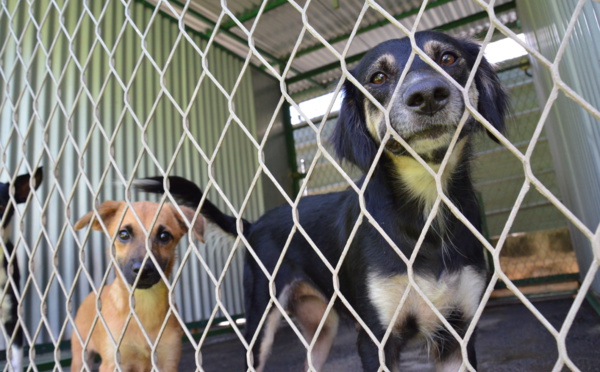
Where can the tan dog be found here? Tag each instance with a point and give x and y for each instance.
(150, 293)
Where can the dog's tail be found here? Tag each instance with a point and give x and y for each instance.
(186, 192)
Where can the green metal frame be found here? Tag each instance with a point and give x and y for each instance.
(550, 279)
(594, 302)
(291, 149)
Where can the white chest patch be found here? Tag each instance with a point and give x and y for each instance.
(457, 291)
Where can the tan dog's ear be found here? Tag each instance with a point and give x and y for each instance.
(106, 210)
(189, 215)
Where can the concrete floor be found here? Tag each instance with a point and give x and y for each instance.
(510, 338)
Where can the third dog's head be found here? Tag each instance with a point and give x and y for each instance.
(22, 187)
(130, 242)
(426, 108)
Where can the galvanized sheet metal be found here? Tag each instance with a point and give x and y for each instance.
(309, 24)
(573, 133)
(99, 93)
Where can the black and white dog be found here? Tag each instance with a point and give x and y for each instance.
(449, 267)
(10, 267)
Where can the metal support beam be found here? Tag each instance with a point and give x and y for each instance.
(337, 39)
(448, 26)
(253, 13)
(272, 59)
(187, 28)
(211, 23)
(291, 149)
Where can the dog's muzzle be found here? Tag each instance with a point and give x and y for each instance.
(426, 115)
(148, 274)
(427, 95)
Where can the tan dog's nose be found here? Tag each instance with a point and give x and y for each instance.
(148, 274)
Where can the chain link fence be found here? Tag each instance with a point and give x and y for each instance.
(102, 93)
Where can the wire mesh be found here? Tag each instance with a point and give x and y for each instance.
(101, 93)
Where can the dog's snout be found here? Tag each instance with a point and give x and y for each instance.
(136, 267)
(427, 96)
(148, 274)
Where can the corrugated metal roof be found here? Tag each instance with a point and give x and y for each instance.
(281, 25)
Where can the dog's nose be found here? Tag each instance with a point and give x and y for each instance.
(427, 96)
(149, 268)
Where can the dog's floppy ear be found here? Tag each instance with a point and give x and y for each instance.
(493, 100)
(350, 138)
(199, 224)
(23, 185)
(106, 210)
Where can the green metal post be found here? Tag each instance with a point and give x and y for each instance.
(291, 148)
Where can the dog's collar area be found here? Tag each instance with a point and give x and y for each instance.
(431, 132)
(435, 155)
(143, 285)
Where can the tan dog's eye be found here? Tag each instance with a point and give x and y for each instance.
(124, 235)
(165, 237)
(448, 59)
(378, 78)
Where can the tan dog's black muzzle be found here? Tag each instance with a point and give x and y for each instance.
(148, 274)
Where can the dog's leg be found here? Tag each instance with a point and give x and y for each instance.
(369, 352)
(268, 334)
(90, 358)
(452, 360)
(14, 330)
(309, 307)
(257, 298)
(107, 367)
(451, 363)
(447, 350)
(78, 362)
(16, 358)
(11, 313)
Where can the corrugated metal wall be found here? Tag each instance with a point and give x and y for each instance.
(573, 133)
(498, 174)
(99, 93)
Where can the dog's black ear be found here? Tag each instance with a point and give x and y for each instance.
(350, 138)
(23, 185)
(493, 101)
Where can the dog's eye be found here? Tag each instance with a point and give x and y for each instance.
(124, 235)
(378, 78)
(165, 237)
(448, 59)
